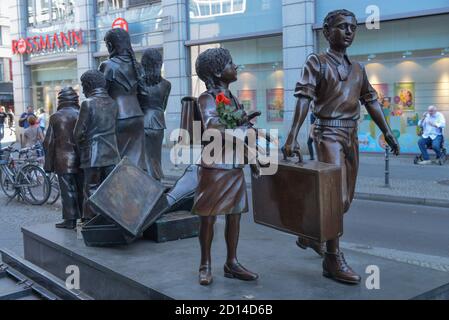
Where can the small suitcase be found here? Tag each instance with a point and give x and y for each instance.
(302, 199)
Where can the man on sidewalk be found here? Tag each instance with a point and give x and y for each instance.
(432, 123)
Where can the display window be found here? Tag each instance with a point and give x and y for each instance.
(260, 84)
(407, 62)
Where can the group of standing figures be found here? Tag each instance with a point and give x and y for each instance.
(122, 116)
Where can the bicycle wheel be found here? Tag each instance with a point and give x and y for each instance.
(7, 185)
(55, 191)
(34, 184)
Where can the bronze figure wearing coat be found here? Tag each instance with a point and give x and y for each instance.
(123, 75)
(336, 85)
(62, 156)
(95, 135)
(153, 97)
(221, 187)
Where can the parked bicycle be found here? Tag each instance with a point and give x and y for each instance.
(23, 177)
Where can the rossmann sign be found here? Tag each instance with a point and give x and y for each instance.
(48, 42)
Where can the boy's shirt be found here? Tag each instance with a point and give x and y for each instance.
(336, 89)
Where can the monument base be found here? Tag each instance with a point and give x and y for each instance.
(169, 270)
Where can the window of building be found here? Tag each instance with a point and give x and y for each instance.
(260, 84)
(2, 70)
(407, 62)
(48, 79)
(1, 36)
(49, 11)
(224, 18)
(136, 3)
(104, 6)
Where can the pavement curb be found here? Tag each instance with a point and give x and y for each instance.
(401, 199)
(170, 180)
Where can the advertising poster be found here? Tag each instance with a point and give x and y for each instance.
(383, 97)
(275, 105)
(404, 97)
(399, 115)
(249, 99)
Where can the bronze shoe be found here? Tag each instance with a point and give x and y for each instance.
(238, 271)
(205, 276)
(66, 224)
(305, 243)
(336, 268)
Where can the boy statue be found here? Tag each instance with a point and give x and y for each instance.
(95, 135)
(335, 86)
(62, 157)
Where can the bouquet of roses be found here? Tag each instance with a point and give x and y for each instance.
(230, 116)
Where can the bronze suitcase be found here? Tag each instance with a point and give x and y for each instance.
(302, 199)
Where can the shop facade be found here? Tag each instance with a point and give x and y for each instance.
(269, 40)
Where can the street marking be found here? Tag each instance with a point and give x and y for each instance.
(418, 259)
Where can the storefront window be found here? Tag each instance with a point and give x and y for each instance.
(48, 79)
(407, 62)
(219, 18)
(260, 84)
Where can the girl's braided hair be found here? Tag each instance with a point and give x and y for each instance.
(121, 42)
(152, 64)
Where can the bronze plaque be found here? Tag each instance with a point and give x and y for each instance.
(303, 199)
(127, 196)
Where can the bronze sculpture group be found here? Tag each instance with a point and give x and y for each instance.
(123, 115)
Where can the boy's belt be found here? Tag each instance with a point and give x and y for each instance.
(336, 123)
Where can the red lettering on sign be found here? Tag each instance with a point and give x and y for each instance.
(78, 36)
(36, 44)
(14, 46)
(56, 41)
(65, 39)
(21, 46)
(46, 44)
(29, 45)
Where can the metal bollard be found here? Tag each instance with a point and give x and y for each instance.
(387, 167)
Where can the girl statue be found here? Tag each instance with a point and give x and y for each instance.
(123, 75)
(153, 97)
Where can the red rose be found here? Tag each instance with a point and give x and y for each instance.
(221, 98)
(227, 101)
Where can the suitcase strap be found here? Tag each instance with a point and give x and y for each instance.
(336, 123)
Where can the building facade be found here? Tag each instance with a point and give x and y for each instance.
(407, 58)
(6, 86)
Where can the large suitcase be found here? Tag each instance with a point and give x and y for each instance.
(302, 199)
(126, 201)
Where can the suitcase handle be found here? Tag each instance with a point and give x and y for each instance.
(297, 152)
